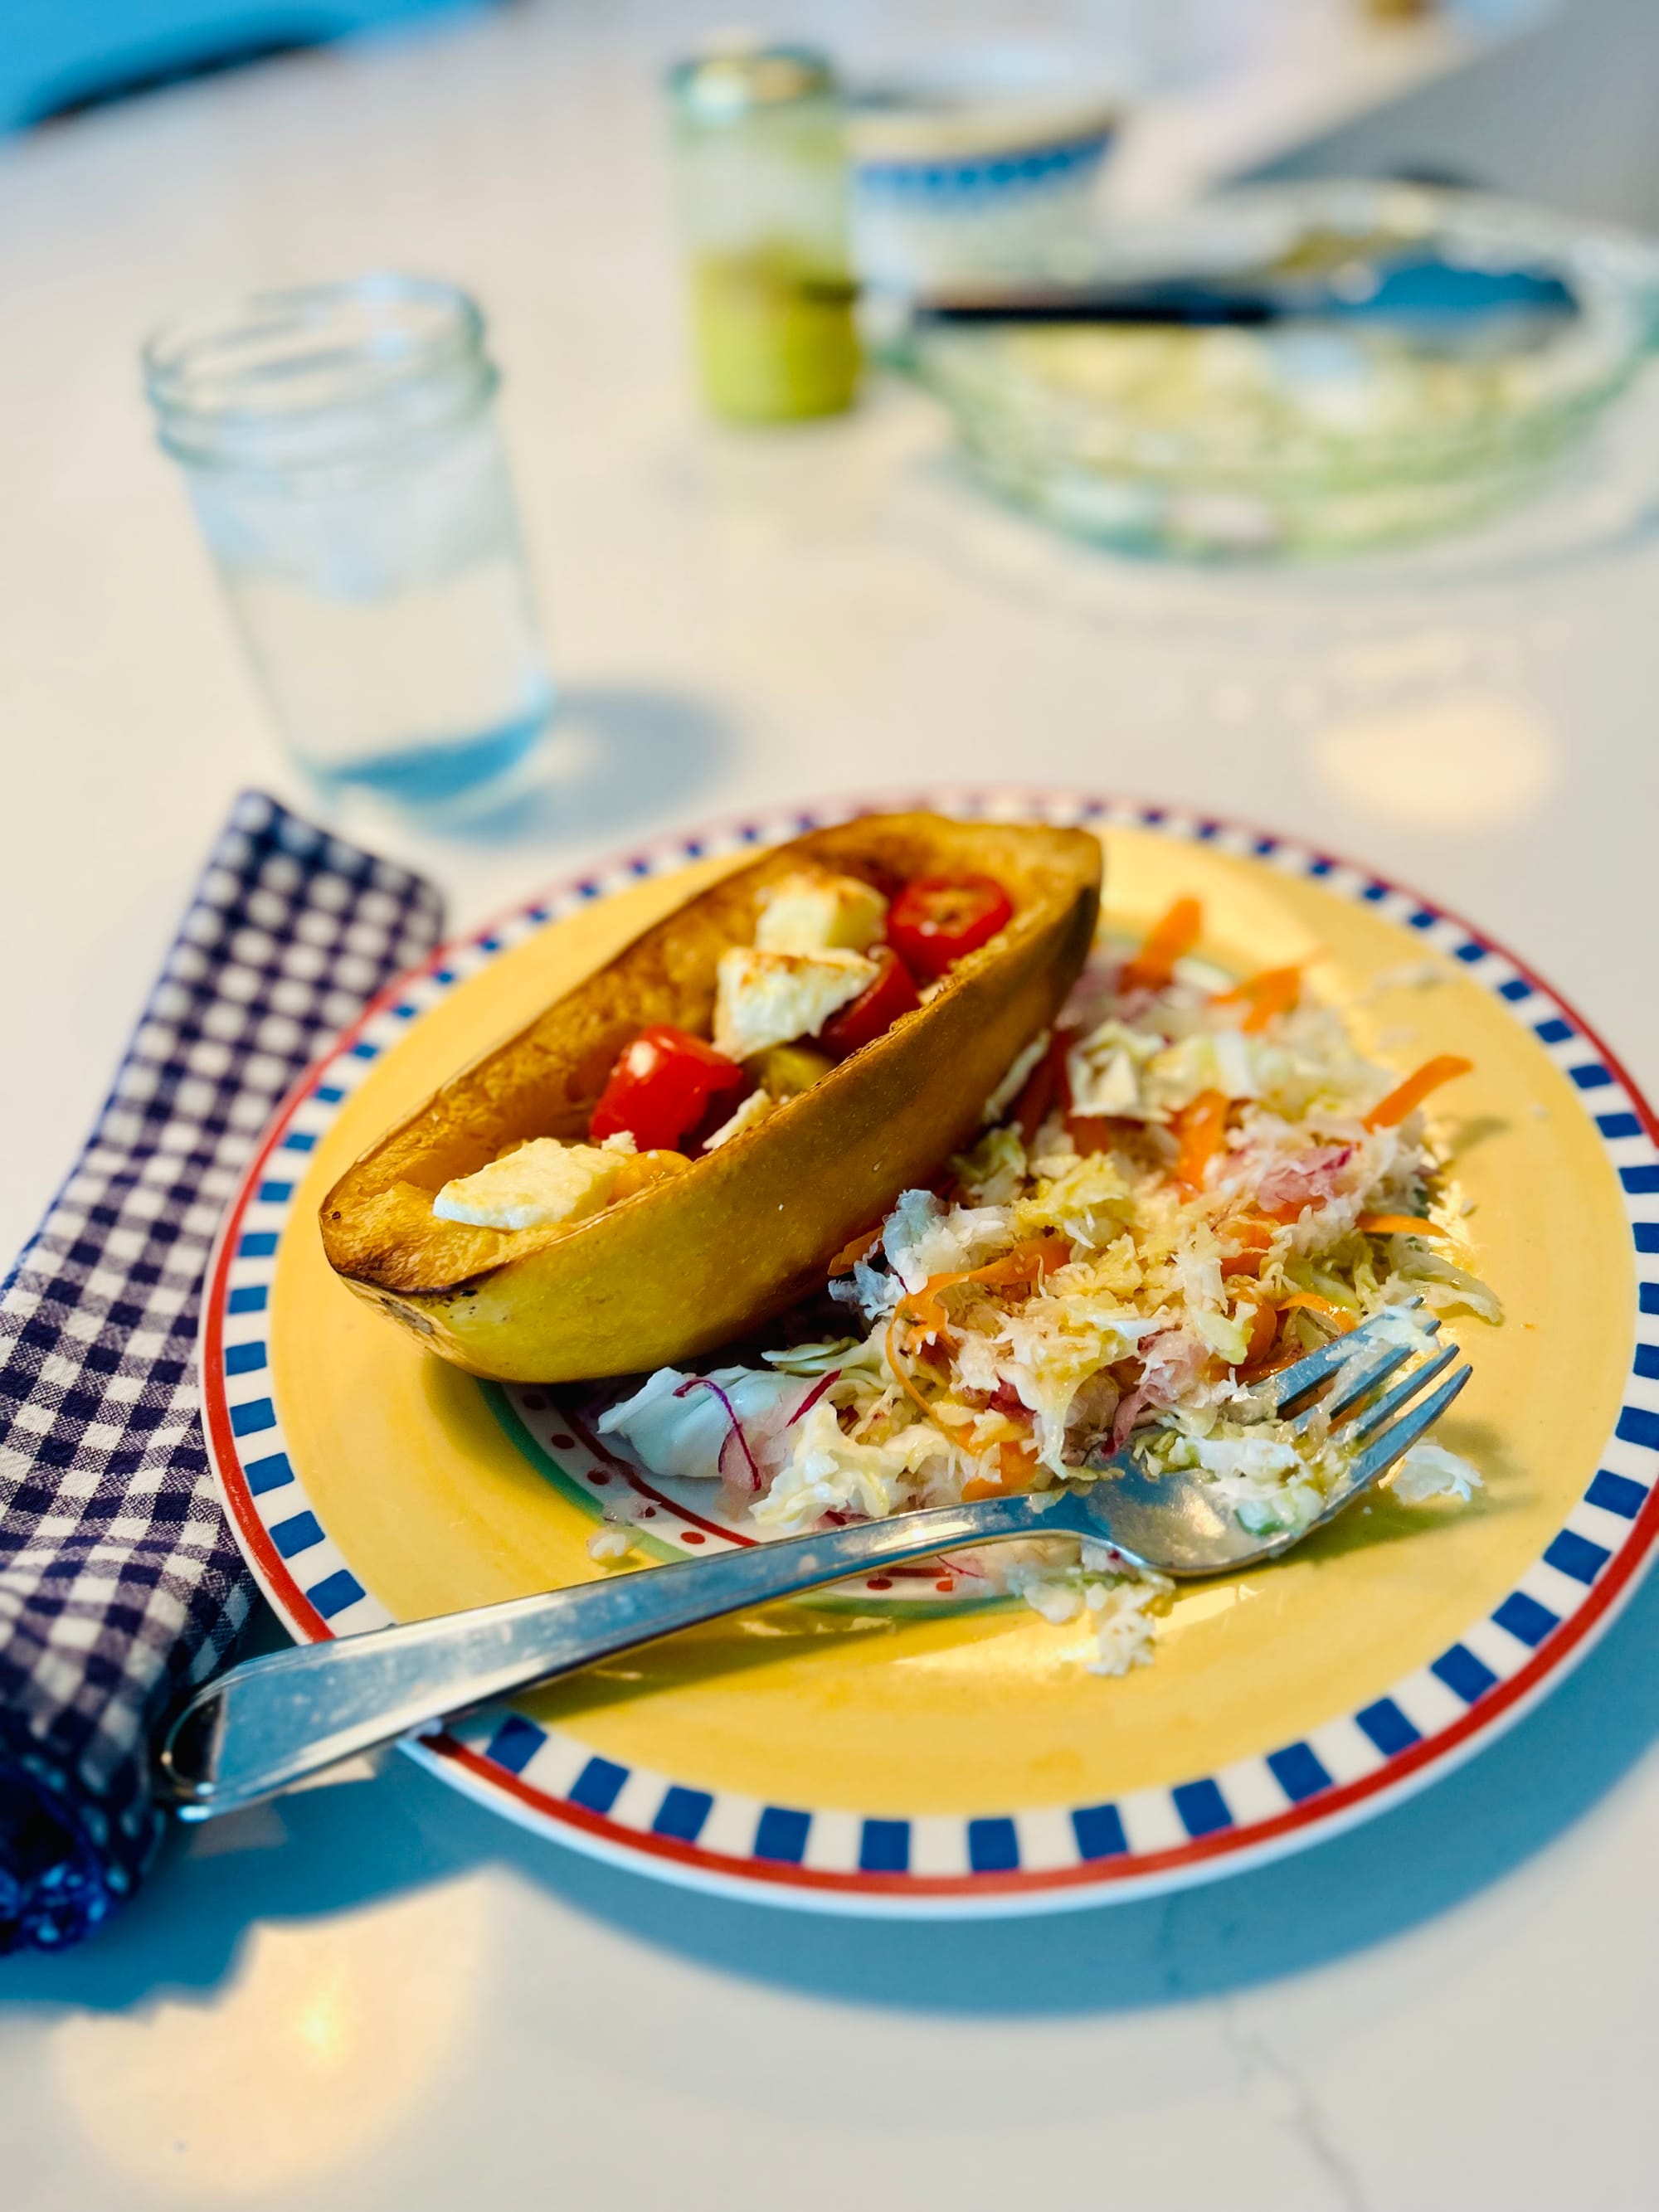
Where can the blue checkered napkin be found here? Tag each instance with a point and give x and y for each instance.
(120, 1582)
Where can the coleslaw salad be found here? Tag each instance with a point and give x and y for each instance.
(1179, 1189)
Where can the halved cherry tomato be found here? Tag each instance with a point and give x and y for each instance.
(875, 1010)
(938, 919)
(661, 1087)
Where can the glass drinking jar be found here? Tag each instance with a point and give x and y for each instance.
(340, 445)
(760, 145)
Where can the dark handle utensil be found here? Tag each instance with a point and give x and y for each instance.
(1425, 292)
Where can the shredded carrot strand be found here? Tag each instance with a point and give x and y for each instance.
(1016, 1472)
(897, 1365)
(1253, 1232)
(1254, 1237)
(1284, 1351)
(1025, 1263)
(1398, 1225)
(1410, 1094)
(1341, 1320)
(1290, 1211)
(1274, 991)
(852, 1252)
(1170, 937)
(1264, 1328)
(1201, 1130)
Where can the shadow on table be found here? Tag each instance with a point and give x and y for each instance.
(615, 754)
(329, 1850)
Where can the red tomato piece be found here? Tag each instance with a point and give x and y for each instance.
(661, 1086)
(875, 1010)
(938, 919)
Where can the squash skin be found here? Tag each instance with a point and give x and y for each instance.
(690, 1263)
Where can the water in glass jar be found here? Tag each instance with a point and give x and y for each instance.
(389, 622)
(342, 451)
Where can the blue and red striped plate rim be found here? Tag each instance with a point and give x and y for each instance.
(1207, 1825)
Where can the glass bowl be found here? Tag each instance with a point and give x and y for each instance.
(1302, 438)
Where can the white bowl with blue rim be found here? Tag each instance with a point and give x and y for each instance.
(975, 163)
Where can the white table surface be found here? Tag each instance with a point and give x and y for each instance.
(375, 1994)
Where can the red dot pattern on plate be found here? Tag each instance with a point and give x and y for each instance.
(879, 1581)
(597, 1477)
(946, 1587)
(691, 1536)
(561, 1444)
(647, 1512)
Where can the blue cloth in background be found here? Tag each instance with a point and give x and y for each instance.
(56, 56)
(120, 1583)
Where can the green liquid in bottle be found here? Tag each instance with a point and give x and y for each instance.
(776, 339)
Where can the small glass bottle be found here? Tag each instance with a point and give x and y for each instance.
(761, 152)
(340, 445)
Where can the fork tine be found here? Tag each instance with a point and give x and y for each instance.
(1395, 1443)
(1383, 1410)
(1356, 1380)
(1293, 1385)
(1314, 1368)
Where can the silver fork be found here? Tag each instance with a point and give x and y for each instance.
(273, 1721)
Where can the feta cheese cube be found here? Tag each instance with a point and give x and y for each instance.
(763, 998)
(813, 911)
(755, 1109)
(540, 1183)
(610, 1543)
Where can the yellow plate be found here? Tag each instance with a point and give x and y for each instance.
(916, 1758)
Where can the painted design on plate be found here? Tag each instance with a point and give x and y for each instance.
(682, 1519)
(830, 1858)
